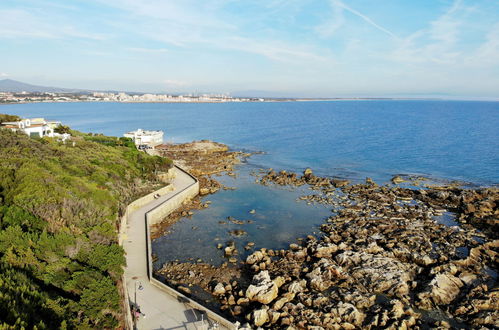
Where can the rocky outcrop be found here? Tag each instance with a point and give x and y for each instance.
(379, 256)
(262, 288)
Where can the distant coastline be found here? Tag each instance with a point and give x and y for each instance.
(11, 98)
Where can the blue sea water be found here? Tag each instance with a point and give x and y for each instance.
(451, 140)
(445, 140)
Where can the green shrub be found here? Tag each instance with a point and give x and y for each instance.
(59, 206)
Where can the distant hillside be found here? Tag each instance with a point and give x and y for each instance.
(9, 85)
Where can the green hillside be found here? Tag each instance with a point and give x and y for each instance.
(60, 263)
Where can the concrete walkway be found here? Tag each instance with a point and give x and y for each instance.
(162, 311)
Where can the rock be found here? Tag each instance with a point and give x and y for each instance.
(308, 172)
(378, 273)
(230, 250)
(252, 211)
(348, 313)
(204, 191)
(325, 250)
(184, 289)
(273, 316)
(287, 297)
(262, 289)
(443, 289)
(260, 317)
(219, 289)
(339, 183)
(237, 232)
(279, 281)
(297, 286)
(237, 310)
(255, 257)
(397, 179)
(242, 301)
(233, 260)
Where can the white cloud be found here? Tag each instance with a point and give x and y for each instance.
(338, 7)
(4, 75)
(329, 28)
(17, 23)
(488, 52)
(190, 24)
(436, 43)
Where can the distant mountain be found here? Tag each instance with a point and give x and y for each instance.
(9, 85)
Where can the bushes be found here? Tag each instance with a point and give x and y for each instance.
(59, 207)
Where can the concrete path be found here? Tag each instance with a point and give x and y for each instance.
(162, 311)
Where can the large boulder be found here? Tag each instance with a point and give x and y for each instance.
(378, 273)
(442, 290)
(262, 289)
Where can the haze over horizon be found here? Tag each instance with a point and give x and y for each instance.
(285, 48)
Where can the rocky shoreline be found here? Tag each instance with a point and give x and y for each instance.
(382, 260)
(204, 159)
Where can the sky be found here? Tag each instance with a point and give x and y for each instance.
(301, 48)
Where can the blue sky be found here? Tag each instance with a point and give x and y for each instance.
(285, 47)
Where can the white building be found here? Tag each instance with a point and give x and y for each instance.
(145, 139)
(35, 127)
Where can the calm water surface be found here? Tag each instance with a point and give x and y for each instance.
(453, 140)
(445, 140)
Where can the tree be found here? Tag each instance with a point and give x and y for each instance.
(62, 129)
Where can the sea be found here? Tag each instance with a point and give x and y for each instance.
(445, 141)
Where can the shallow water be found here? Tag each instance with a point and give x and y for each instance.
(279, 219)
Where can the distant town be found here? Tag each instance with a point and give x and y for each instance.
(29, 97)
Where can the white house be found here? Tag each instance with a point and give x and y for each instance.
(35, 127)
(145, 139)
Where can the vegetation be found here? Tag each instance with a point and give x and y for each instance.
(62, 129)
(60, 263)
(7, 118)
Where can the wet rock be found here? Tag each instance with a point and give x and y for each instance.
(397, 179)
(204, 191)
(255, 257)
(308, 172)
(237, 232)
(339, 183)
(230, 249)
(184, 289)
